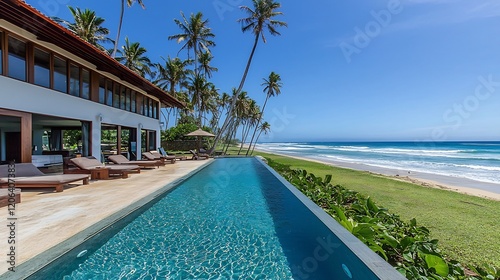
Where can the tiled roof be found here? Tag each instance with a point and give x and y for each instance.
(45, 29)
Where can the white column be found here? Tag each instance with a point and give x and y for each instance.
(139, 142)
(158, 138)
(95, 140)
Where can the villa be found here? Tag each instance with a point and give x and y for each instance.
(52, 82)
(199, 219)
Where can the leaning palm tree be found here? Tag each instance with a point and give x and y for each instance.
(238, 115)
(129, 3)
(265, 127)
(259, 19)
(88, 26)
(272, 87)
(133, 57)
(195, 33)
(222, 102)
(252, 118)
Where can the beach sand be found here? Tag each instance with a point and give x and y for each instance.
(461, 185)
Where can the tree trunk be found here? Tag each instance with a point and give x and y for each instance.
(255, 142)
(235, 97)
(244, 136)
(257, 126)
(113, 54)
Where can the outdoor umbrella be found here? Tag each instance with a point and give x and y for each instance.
(200, 133)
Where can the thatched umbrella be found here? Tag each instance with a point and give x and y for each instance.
(200, 133)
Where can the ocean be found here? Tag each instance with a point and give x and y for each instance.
(479, 161)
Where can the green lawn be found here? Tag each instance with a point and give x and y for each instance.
(467, 227)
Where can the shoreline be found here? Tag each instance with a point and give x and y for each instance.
(460, 185)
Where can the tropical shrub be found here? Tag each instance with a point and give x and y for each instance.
(177, 132)
(406, 246)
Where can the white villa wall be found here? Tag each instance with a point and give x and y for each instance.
(22, 96)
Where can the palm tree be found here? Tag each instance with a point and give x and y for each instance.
(259, 19)
(196, 34)
(171, 75)
(201, 94)
(238, 115)
(251, 118)
(222, 101)
(133, 57)
(265, 127)
(272, 87)
(129, 3)
(204, 60)
(87, 26)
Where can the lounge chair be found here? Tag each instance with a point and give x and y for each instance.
(164, 154)
(90, 165)
(197, 156)
(27, 175)
(157, 156)
(121, 160)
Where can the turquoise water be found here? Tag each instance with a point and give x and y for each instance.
(232, 220)
(478, 161)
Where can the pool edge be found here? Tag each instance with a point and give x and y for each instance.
(38, 262)
(381, 268)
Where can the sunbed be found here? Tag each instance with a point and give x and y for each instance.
(198, 155)
(153, 155)
(27, 175)
(121, 160)
(164, 154)
(92, 165)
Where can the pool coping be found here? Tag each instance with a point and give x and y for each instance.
(381, 268)
(31, 266)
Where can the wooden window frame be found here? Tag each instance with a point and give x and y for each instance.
(51, 66)
(26, 58)
(2, 47)
(81, 82)
(53, 85)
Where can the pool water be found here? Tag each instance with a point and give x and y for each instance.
(232, 220)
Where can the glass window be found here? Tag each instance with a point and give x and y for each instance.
(155, 110)
(74, 80)
(1, 53)
(144, 105)
(109, 93)
(85, 84)
(42, 68)
(122, 97)
(116, 95)
(102, 90)
(17, 59)
(133, 103)
(127, 100)
(60, 75)
(150, 109)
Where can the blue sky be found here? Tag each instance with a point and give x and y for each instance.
(426, 70)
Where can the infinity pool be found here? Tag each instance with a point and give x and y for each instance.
(232, 220)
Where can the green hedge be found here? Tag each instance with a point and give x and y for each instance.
(406, 246)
